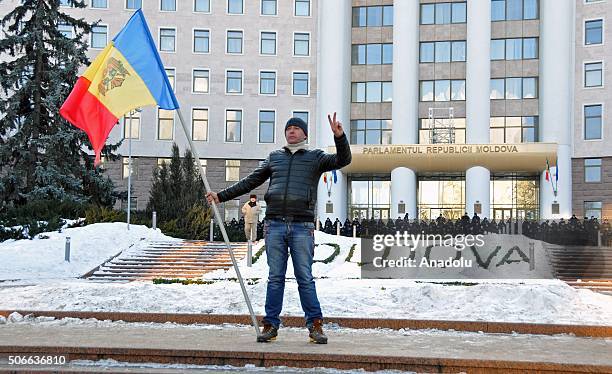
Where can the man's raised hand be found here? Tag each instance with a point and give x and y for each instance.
(336, 126)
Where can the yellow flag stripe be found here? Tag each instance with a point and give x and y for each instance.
(116, 84)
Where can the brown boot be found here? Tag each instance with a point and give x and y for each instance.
(269, 333)
(316, 332)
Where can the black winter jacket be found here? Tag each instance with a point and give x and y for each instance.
(292, 191)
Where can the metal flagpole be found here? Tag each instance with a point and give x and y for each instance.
(129, 204)
(194, 151)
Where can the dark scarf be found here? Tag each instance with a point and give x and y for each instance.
(252, 203)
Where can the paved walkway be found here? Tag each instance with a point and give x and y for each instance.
(418, 350)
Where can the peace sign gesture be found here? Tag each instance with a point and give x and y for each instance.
(336, 126)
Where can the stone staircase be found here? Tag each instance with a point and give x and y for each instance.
(178, 259)
(583, 266)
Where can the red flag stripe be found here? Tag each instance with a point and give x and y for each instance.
(86, 112)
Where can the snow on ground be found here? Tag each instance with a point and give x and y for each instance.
(341, 292)
(550, 302)
(90, 246)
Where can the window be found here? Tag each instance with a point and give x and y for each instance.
(514, 49)
(300, 83)
(98, 36)
(442, 51)
(427, 53)
(458, 90)
(514, 88)
(266, 126)
(498, 49)
(233, 125)
(201, 6)
(201, 80)
(165, 124)
(133, 4)
(268, 7)
(443, 13)
(233, 81)
(99, 3)
(203, 162)
(125, 172)
(201, 41)
(372, 54)
(234, 42)
(301, 44)
(65, 29)
(371, 131)
(592, 170)
(459, 13)
(530, 48)
(593, 74)
(267, 83)
(593, 32)
(513, 129)
(502, 10)
(65, 3)
(268, 43)
(428, 12)
(373, 16)
(427, 90)
(371, 92)
(168, 5)
(302, 115)
(199, 124)
(458, 51)
(163, 161)
(592, 122)
(235, 7)
(171, 77)
(167, 40)
(428, 136)
(232, 170)
(134, 116)
(442, 90)
(592, 209)
(231, 210)
(302, 8)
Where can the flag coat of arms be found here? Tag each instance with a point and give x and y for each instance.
(126, 75)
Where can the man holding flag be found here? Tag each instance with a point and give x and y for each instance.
(294, 172)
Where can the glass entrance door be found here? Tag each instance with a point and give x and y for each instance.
(502, 213)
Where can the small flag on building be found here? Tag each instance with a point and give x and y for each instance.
(547, 171)
(126, 75)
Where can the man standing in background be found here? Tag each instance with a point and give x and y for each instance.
(250, 211)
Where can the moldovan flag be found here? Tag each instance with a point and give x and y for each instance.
(126, 75)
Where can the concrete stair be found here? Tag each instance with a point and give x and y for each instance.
(183, 259)
(583, 266)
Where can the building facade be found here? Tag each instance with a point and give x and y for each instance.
(450, 106)
(592, 157)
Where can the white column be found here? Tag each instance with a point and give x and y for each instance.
(477, 189)
(403, 189)
(478, 104)
(333, 92)
(405, 111)
(556, 99)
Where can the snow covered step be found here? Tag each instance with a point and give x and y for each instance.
(168, 260)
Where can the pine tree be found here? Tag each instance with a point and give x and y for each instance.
(178, 196)
(42, 156)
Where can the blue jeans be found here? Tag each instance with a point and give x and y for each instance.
(299, 237)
